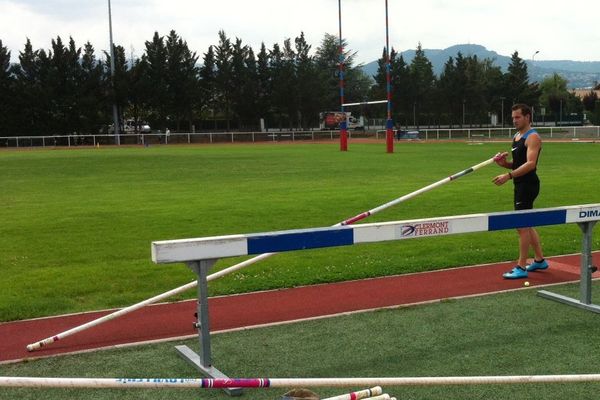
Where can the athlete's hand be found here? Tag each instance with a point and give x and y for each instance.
(500, 158)
(501, 179)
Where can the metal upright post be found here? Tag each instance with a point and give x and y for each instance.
(112, 75)
(389, 124)
(344, 123)
(203, 360)
(587, 269)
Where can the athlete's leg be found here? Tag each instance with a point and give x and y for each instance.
(535, 244)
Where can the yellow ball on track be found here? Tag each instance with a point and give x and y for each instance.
(526, 283)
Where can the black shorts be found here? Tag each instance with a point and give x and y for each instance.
(525, 194)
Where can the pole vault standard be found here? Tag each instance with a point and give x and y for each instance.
(182, 383)
(243, 264)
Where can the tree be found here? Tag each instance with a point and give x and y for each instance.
(278, 79)
(181, 80)
(327, 59)
(59, 75)
(287, 87)
(239, 81)
(590, 100)
(6, 92)
(493, 86)
(119, 84)
(223, 76)
(30, 103)
(590, 103)
(250, 90)
(93, 104)
(422, 80)
(554, 95)
(208, 76)
(140, 91)
(518, 89)
(401, 104)
(155, 59)
(263, 81)
(309, 89)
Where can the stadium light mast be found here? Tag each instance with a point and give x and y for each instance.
(533, 106)
(344, 122)
(112, 74)
(389, 125)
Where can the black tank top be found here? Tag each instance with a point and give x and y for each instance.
(519, 157)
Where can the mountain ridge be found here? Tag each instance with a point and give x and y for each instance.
(579, 74)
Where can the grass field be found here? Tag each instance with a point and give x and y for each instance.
(513, 333)
(76, 225)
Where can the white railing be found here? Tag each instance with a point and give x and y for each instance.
(147, 139)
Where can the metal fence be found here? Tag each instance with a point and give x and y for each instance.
(148, 139)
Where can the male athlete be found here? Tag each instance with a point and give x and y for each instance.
(526, 148)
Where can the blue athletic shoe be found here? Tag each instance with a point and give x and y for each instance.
(534, 266)
(517, 273)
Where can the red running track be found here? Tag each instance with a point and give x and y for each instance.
(174, 320)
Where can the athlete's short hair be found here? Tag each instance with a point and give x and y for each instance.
(525, 109)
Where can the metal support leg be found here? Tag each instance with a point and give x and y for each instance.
(203, 360)
(586, 262)
(585, 283)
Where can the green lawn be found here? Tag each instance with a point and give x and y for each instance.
(515, 333)
(76, 225)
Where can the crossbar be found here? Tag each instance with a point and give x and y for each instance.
(183, 250)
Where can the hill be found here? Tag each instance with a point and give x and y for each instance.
(579, 74)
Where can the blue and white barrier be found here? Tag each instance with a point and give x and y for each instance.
(172, 251)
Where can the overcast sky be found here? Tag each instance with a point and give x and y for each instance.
(566, 31)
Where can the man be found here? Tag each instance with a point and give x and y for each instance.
(526, 148)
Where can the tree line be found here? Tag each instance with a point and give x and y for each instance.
(68, 89)
(469, 90)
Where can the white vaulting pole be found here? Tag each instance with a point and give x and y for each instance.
(418, 192)
(183, 383)
(137, 306)
(243, 264)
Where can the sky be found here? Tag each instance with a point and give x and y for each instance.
(558, 32)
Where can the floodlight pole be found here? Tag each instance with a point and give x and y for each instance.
(532, 106)
(389, 126)
(112, 75)
(344, 123)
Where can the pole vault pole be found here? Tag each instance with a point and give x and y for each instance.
(344, 123)
(389, 125)
(418, 192)
(233, 268)
(224, 383)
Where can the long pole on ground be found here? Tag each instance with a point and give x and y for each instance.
(182, 383)
(233, 268)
